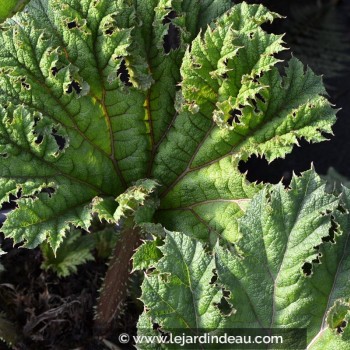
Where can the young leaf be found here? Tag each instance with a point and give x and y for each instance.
(74, 251)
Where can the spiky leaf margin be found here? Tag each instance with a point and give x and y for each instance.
(289, 270)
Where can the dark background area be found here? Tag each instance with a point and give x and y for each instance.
(318, 33)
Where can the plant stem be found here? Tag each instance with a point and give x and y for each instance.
(115, 286)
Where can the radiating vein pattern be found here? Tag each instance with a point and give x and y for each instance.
(96, 95)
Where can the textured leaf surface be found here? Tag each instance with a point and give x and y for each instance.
(179, 293)
(95, 98)
(235, 104)
(290, 269)
(334, 332)
(147, 255)
(83, 130)
(285, 272)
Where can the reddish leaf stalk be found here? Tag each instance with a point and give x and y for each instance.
(115, 286)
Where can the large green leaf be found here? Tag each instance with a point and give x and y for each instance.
(179, 294)
(94, 97)
(235, 103)
(70, 124)
(290, 269)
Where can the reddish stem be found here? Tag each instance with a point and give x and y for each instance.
(115, 286)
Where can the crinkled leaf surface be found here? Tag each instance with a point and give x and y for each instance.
(290, 269)
(93, 99)
(334, 332)
(179, 294)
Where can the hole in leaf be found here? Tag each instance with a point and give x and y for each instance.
(74, 85)
(171, 40)
(49, 190)
(235, 116)
(214, 278)
(259, 97)
(331, 232)
(24, 84)
(123, 73)
(72, 25)
(224, 306)
(39, 139)
(109, 31)
(55, 70)
(60, 140)
(341, 209)
(36, 121)
(150, 270)
(317, 260)
(255, 105)
(255, 80)
(340, 328)
(307, 269)
(156, 326)
(224, 76)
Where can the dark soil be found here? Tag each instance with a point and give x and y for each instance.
(57, 313)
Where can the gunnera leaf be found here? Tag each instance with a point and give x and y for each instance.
(93, 99)
(289, 270)
(75, 250)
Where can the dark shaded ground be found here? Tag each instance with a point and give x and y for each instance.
(55, 313)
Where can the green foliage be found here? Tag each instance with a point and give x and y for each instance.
(101, 115)
(74, 132)
(75, 250)
(290, 269)
(105, 241)
(179, 293)
(335, 181)
(147, 255)
(10, 7)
